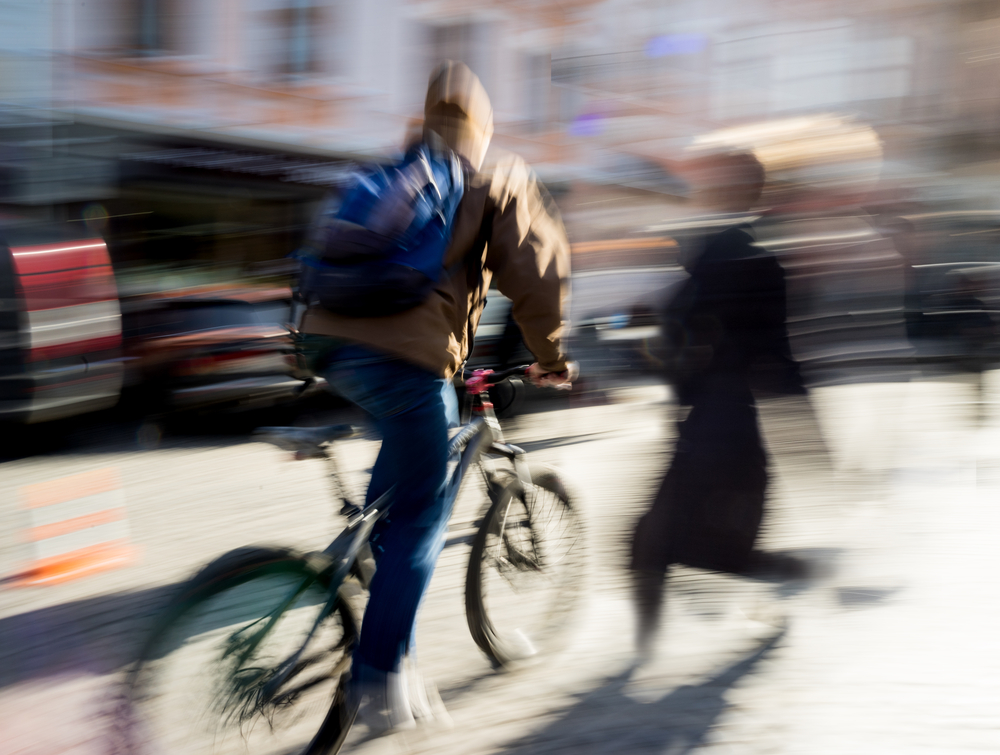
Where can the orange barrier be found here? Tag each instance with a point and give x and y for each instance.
(78, 527)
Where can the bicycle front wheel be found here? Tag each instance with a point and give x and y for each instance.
(207, 678)
(525, 569)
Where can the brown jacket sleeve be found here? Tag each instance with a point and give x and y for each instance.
(528, 253)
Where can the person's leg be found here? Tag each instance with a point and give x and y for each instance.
(649, 562)
(413, 410)
(409, 541)
(648, 587)
(659, 539)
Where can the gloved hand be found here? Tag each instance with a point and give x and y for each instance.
(562, 381)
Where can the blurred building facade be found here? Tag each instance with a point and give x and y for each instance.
(346, 76)
(603, 92)
(196, 138)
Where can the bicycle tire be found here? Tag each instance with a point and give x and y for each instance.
(539, 562)
(203, 635)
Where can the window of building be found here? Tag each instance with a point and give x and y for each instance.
(289, 38)
(466, 41)
(538, 87)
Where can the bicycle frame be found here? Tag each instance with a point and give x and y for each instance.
(480, 435)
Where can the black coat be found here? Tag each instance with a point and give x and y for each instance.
(725, 329)
(727, 337)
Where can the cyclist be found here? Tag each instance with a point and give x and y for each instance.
(399, 368)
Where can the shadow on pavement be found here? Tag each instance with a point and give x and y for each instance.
(565, 440)
(607, 720)
(94, 636)
(121, 431)
(93, 436)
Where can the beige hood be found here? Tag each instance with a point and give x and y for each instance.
(458, 110)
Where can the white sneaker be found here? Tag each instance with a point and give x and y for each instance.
(382, 701)
(425, 701)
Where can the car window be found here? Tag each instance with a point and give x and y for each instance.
(273, 312)
(179, 317)
(496, 309)
(205, 317)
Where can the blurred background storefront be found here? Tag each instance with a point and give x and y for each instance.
(197, 138)
(254, 105)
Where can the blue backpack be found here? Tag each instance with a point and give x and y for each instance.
(382, 251)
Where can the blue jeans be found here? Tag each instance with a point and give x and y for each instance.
(413, 410)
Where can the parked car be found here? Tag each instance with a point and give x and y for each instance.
(498, 341)
(952, 283)
(60, 324)
(210, 349)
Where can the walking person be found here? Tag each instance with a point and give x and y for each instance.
(726, 336)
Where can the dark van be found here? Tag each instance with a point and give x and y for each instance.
(60, 326)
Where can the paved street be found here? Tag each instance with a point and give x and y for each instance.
(892, 649)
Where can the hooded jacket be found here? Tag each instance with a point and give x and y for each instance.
(507, 231)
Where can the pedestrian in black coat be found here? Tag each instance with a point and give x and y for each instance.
(726, 337)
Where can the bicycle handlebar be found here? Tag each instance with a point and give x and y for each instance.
(483, 379)
(499, 377)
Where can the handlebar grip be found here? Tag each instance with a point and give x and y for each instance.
(498, 377)
(481, 380)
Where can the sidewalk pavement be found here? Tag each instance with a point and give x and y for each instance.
(894, 485)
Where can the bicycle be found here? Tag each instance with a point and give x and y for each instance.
(277, 628)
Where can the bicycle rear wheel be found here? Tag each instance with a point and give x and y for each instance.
(200, 685)
(525, 569)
